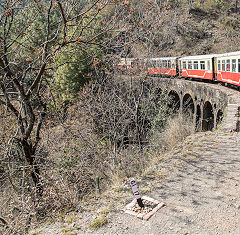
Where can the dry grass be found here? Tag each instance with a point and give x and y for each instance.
(73, 157)
(176, 130)
(99, 222)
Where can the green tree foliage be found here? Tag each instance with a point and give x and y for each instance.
(219, 4)
(30, 29)
(77, 66)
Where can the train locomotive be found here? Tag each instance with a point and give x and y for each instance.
(215, 67)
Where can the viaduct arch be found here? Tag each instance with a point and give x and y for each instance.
(205, 105)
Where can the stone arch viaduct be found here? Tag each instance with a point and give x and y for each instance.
(205, 103)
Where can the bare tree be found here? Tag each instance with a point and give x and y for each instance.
(126, 112)
(190, 3)
(33, 36)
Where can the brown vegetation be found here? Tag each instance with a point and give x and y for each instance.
(53, 152)
(104, 136)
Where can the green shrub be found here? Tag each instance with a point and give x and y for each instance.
(99, 222)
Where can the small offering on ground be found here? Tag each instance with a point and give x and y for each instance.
(151, 206)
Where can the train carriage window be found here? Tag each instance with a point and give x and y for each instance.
(202, 65)
(228, 65)
(234, 65)
(184, 65)
(169, 64)
(219, 65)
(164, 64)
(239, 65)
(160, 64)
(208, 65)
(223, 65)
(195, 65)
(189, 64)
(173, 65)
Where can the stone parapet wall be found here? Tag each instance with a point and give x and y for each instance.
(208, 102)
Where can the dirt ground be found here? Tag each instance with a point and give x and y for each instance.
(198, 182)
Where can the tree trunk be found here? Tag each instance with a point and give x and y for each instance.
(35, 172)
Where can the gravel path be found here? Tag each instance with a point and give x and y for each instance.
(201, 194)
(198, 182)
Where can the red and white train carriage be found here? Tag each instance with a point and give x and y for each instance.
(201, 66)
(162, 66)
(228, 68)
(216, 67)
(125, 63)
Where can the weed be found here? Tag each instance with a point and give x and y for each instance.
(146, 189)
(176, 130)
(68, 231)
(70, 218)
(49, 221)
(198, 144)
(219, 4)
(62, 215)
(106, 210)
(116, 190)
(35, 232)
(99, 222)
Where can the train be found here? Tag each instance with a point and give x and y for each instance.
(223, 68)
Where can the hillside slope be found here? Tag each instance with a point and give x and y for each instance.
(210, 27)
